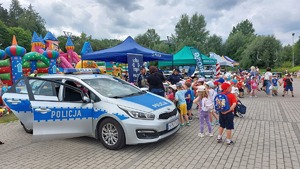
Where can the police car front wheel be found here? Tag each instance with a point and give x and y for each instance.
(30, 131)
(111, 134)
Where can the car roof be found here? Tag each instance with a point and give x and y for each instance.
(72, 76)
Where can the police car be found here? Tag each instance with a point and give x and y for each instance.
(100, 106)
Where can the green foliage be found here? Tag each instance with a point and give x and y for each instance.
(32, 21)
(191, 32)
(15, 11)
(23, 37)
(245, 27)
(214, 43)
(4, 38)
(148, 39)
(4, 15)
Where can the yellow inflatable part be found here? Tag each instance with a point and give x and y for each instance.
(86, 64)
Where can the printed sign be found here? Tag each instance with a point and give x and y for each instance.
(135, 61)
(199, 61)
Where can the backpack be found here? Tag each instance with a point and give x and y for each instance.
(221, 102)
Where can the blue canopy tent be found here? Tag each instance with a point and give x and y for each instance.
(128, 46)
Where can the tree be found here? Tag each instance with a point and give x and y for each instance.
(214, 44)
(23, 37)
(3, 15)
(149, 39)
(239, 39)
(32, 21)
(245, 27)
(191, 31)
(261, 52)
(15, 11)
(5, 41)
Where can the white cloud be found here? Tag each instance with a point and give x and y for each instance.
(120, 18)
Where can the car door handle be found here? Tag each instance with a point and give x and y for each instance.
(42, 110)
(14, 101)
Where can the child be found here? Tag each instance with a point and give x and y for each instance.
(254, 86)
(289, 85)
(181, 104)
(226, 117)
(211, 95)
(275, 85)
(240, 86)
(204, 107)
(171, 94)
(189, 98)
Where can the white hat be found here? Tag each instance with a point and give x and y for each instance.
(201, 88)
(210, 84)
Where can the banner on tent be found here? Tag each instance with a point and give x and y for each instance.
(135, 61)
(199, 61)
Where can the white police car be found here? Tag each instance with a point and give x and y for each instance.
(99, 106)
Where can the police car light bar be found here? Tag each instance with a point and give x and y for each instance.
(82, 71)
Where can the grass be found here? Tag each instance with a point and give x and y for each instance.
(8, 118)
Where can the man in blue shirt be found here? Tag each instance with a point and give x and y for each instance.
(175, 77)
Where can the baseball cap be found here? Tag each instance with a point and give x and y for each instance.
(216, 82)
(201, 88)
(142, 67)
(178, 84)
(221, 80)
(234, 81)
(225, 86)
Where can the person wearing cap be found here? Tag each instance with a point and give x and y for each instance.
(275, 85)
(181, 104)
(171, 95)
(142, 78)
(175, 76)
(226, 117)
(211, 96)
(205, 105)
(289, 85)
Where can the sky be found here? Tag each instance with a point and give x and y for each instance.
(117, 19)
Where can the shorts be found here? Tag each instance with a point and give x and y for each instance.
(189, 105)
(183, 109)
(241, 90)
(226, 120)
(288, 88)
(275, 88)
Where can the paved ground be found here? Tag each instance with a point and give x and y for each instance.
(268, 137)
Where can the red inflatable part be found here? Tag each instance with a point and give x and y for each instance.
(8, 82)
(5, 69)
(42, 70)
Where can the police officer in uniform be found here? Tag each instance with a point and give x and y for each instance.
(175, 77)
(142, 77)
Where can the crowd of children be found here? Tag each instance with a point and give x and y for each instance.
(203, 95)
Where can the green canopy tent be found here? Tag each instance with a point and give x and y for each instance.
(186, 57)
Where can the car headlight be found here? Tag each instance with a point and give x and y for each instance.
(138, 114)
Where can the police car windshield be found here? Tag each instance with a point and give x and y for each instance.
(113, 87)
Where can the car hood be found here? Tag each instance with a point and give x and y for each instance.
(147, 102)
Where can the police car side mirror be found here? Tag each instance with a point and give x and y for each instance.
(85, 99)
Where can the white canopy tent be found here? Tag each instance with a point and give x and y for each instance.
(220, 60)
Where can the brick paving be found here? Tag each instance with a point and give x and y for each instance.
(268, 137)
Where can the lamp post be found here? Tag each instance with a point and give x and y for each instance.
(293, 62)
(169, 43)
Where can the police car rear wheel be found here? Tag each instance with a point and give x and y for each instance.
(111, 134)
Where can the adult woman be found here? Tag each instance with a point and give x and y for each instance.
(155, 81)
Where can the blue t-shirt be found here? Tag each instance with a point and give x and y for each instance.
(189, 92)
(274, 81)
(180, 97)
